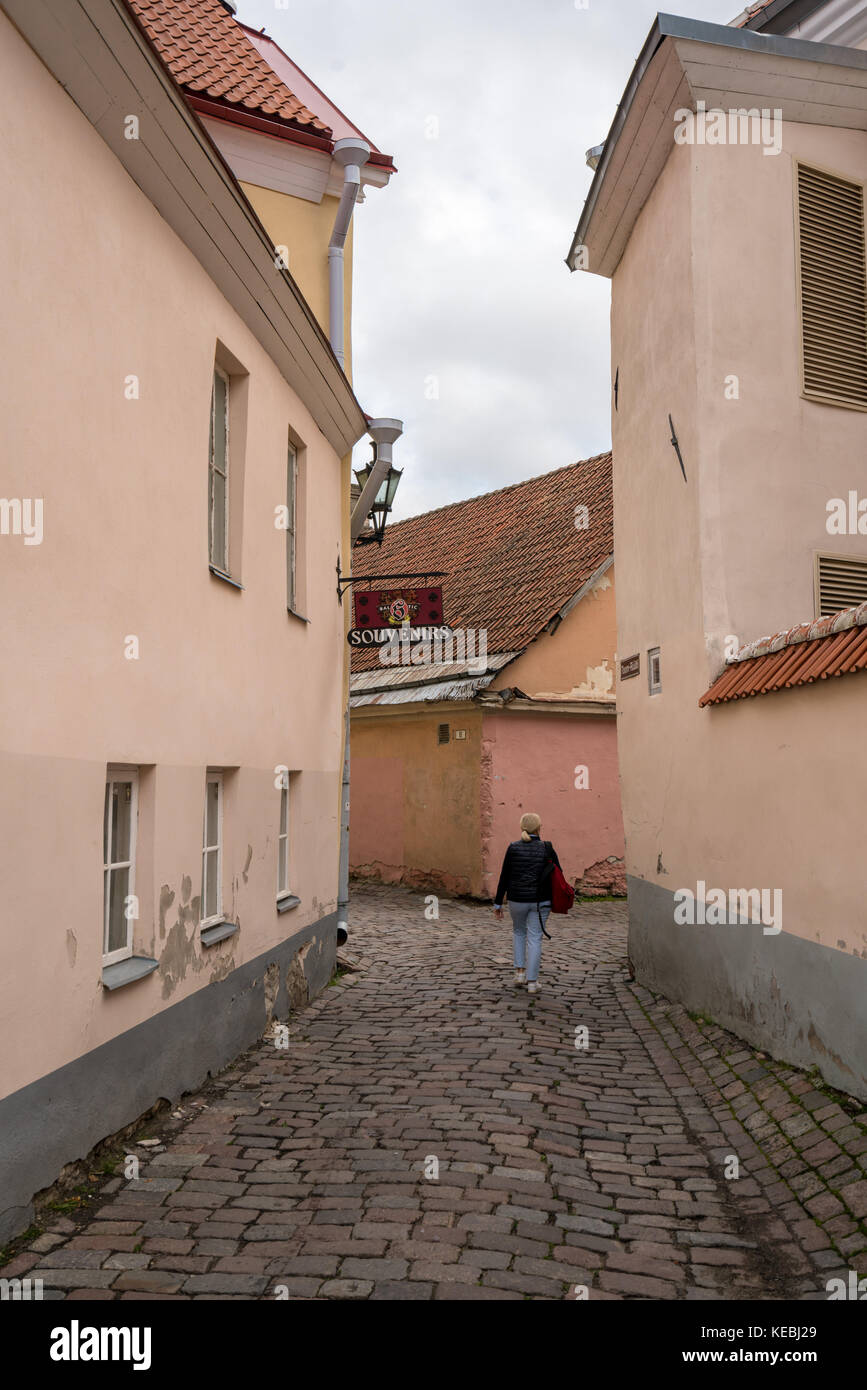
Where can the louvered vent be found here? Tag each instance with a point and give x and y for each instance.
(841, 582)
(833, 287)
(442, 733)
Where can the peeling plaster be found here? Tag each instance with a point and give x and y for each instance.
(600, 681)
(167, 897)
(71, 946)
(297, 988)
(271, 981)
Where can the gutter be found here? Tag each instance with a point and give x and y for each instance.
(648, 52)
(232, 115)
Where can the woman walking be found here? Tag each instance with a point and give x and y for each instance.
(526, 881)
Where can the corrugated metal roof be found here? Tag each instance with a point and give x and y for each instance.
(424, 694)
(389, 677)
(831, 646)
(407, 685)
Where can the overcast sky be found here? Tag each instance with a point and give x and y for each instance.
(460, 282)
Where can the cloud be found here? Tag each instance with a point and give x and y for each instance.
(459, 272)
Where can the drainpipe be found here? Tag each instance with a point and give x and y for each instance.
(352, 154)
(383, 432)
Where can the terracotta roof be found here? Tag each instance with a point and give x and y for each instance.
(831, 646)
(514, 557)
(750, 13)
(210, 57)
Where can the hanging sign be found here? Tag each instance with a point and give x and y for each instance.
(394, 608)
(382, 636)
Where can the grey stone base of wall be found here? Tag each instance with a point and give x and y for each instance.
(59, 1118)
(801, 1002)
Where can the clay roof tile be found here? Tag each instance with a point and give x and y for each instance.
(835, 645)
(514, 557)
(209, 55)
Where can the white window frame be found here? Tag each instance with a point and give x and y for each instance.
(283, 888)
(654, 687)
(215, 778)
(219, 562)
(291, 526)
(116, 775)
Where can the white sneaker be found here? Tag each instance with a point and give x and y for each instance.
(533, 987)
(520, 977)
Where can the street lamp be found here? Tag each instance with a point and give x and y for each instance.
(382, 503)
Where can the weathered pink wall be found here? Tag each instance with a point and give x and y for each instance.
(529, 762)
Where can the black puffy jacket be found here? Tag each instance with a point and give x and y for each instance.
(521, 871)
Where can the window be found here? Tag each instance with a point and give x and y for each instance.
(283, 840)
(654, 671)
(291, 495)
(119, 835)
(833, 288)
(218, 474)
(212, 849)
(841, 582)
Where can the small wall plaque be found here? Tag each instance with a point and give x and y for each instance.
(629, 666)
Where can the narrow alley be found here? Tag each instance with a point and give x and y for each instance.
(431, 1132)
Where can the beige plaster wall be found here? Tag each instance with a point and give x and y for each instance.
(759, 794)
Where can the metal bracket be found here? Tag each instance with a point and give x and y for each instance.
(344, 580)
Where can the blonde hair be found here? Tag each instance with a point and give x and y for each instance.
(531, 824)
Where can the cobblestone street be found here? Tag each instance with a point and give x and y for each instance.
(559, 1167)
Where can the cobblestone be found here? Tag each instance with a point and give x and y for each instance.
(433, 1133)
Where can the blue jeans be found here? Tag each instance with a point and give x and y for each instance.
(527, 924)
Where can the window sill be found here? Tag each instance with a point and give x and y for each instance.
(217, 931)
(287, 903)
(126, 972)
(300, 616)
(226, 578)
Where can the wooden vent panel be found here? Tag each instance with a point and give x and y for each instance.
(833, 270)
(841, 582)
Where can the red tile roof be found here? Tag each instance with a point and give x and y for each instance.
(832, 646)
(514, 557)
(210, 57)
(750, 13)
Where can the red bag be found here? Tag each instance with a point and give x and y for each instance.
(562, 893)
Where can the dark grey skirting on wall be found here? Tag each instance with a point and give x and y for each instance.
(801, 1002)
(59, 1118)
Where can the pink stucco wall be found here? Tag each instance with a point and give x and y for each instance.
(224, 677)
(529, 763)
